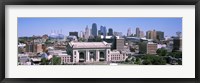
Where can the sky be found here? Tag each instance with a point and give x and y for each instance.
(41, 26)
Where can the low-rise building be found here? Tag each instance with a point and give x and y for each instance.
(23, 59)
(56, 52)
(151, 48)
(146, 47)
(65, 58)
(117, 56)
(161, 46)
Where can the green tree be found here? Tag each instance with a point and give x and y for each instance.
(158, 51)
(179, 62)
(81, 39)
(48, 41)
(153, 60)
(147, 62)
(162, 52)
(133, 59)
(56, 60)
(22, 40)
(128, 59)
(177, 54)
(98, 39)
(138, 61)
(44, 61)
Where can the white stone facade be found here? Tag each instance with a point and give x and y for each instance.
(89, 51)
(117, 56)
(65, 58)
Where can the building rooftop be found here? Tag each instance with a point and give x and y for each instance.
(109, 37)
(89, 44)
(114, 51)
(151, 43)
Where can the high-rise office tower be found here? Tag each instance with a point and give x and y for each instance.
(148, 34)
(129, 32)
(103, 31)
(87, 32)
(81, 34)
(110, 32)
(160, 35)
(94, 29)
(137, 32)
(153, 35)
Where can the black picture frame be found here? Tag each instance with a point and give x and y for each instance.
(98, 2)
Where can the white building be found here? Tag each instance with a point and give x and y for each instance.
(65, 58)
(117, 56)
(109, 37)
(88, 51)
(161, 46)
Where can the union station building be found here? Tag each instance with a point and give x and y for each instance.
(89, 51)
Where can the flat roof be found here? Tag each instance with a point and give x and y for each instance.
(89, 44)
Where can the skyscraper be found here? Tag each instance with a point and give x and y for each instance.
(151, 34)
(160, 35)
(129, 32)
(103, 31)
(148, 34)
(94, 29)
(137, 32)
(141, 34)
(99, 32)
(87, 32)
(118, 43)
(81, 34)
(110, 32)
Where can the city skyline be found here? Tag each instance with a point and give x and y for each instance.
(41, 26)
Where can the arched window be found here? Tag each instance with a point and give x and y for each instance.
(81, 55)
(102, 55)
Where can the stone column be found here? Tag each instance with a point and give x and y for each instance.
(107, 54)
(97, 55)
(87, 54)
